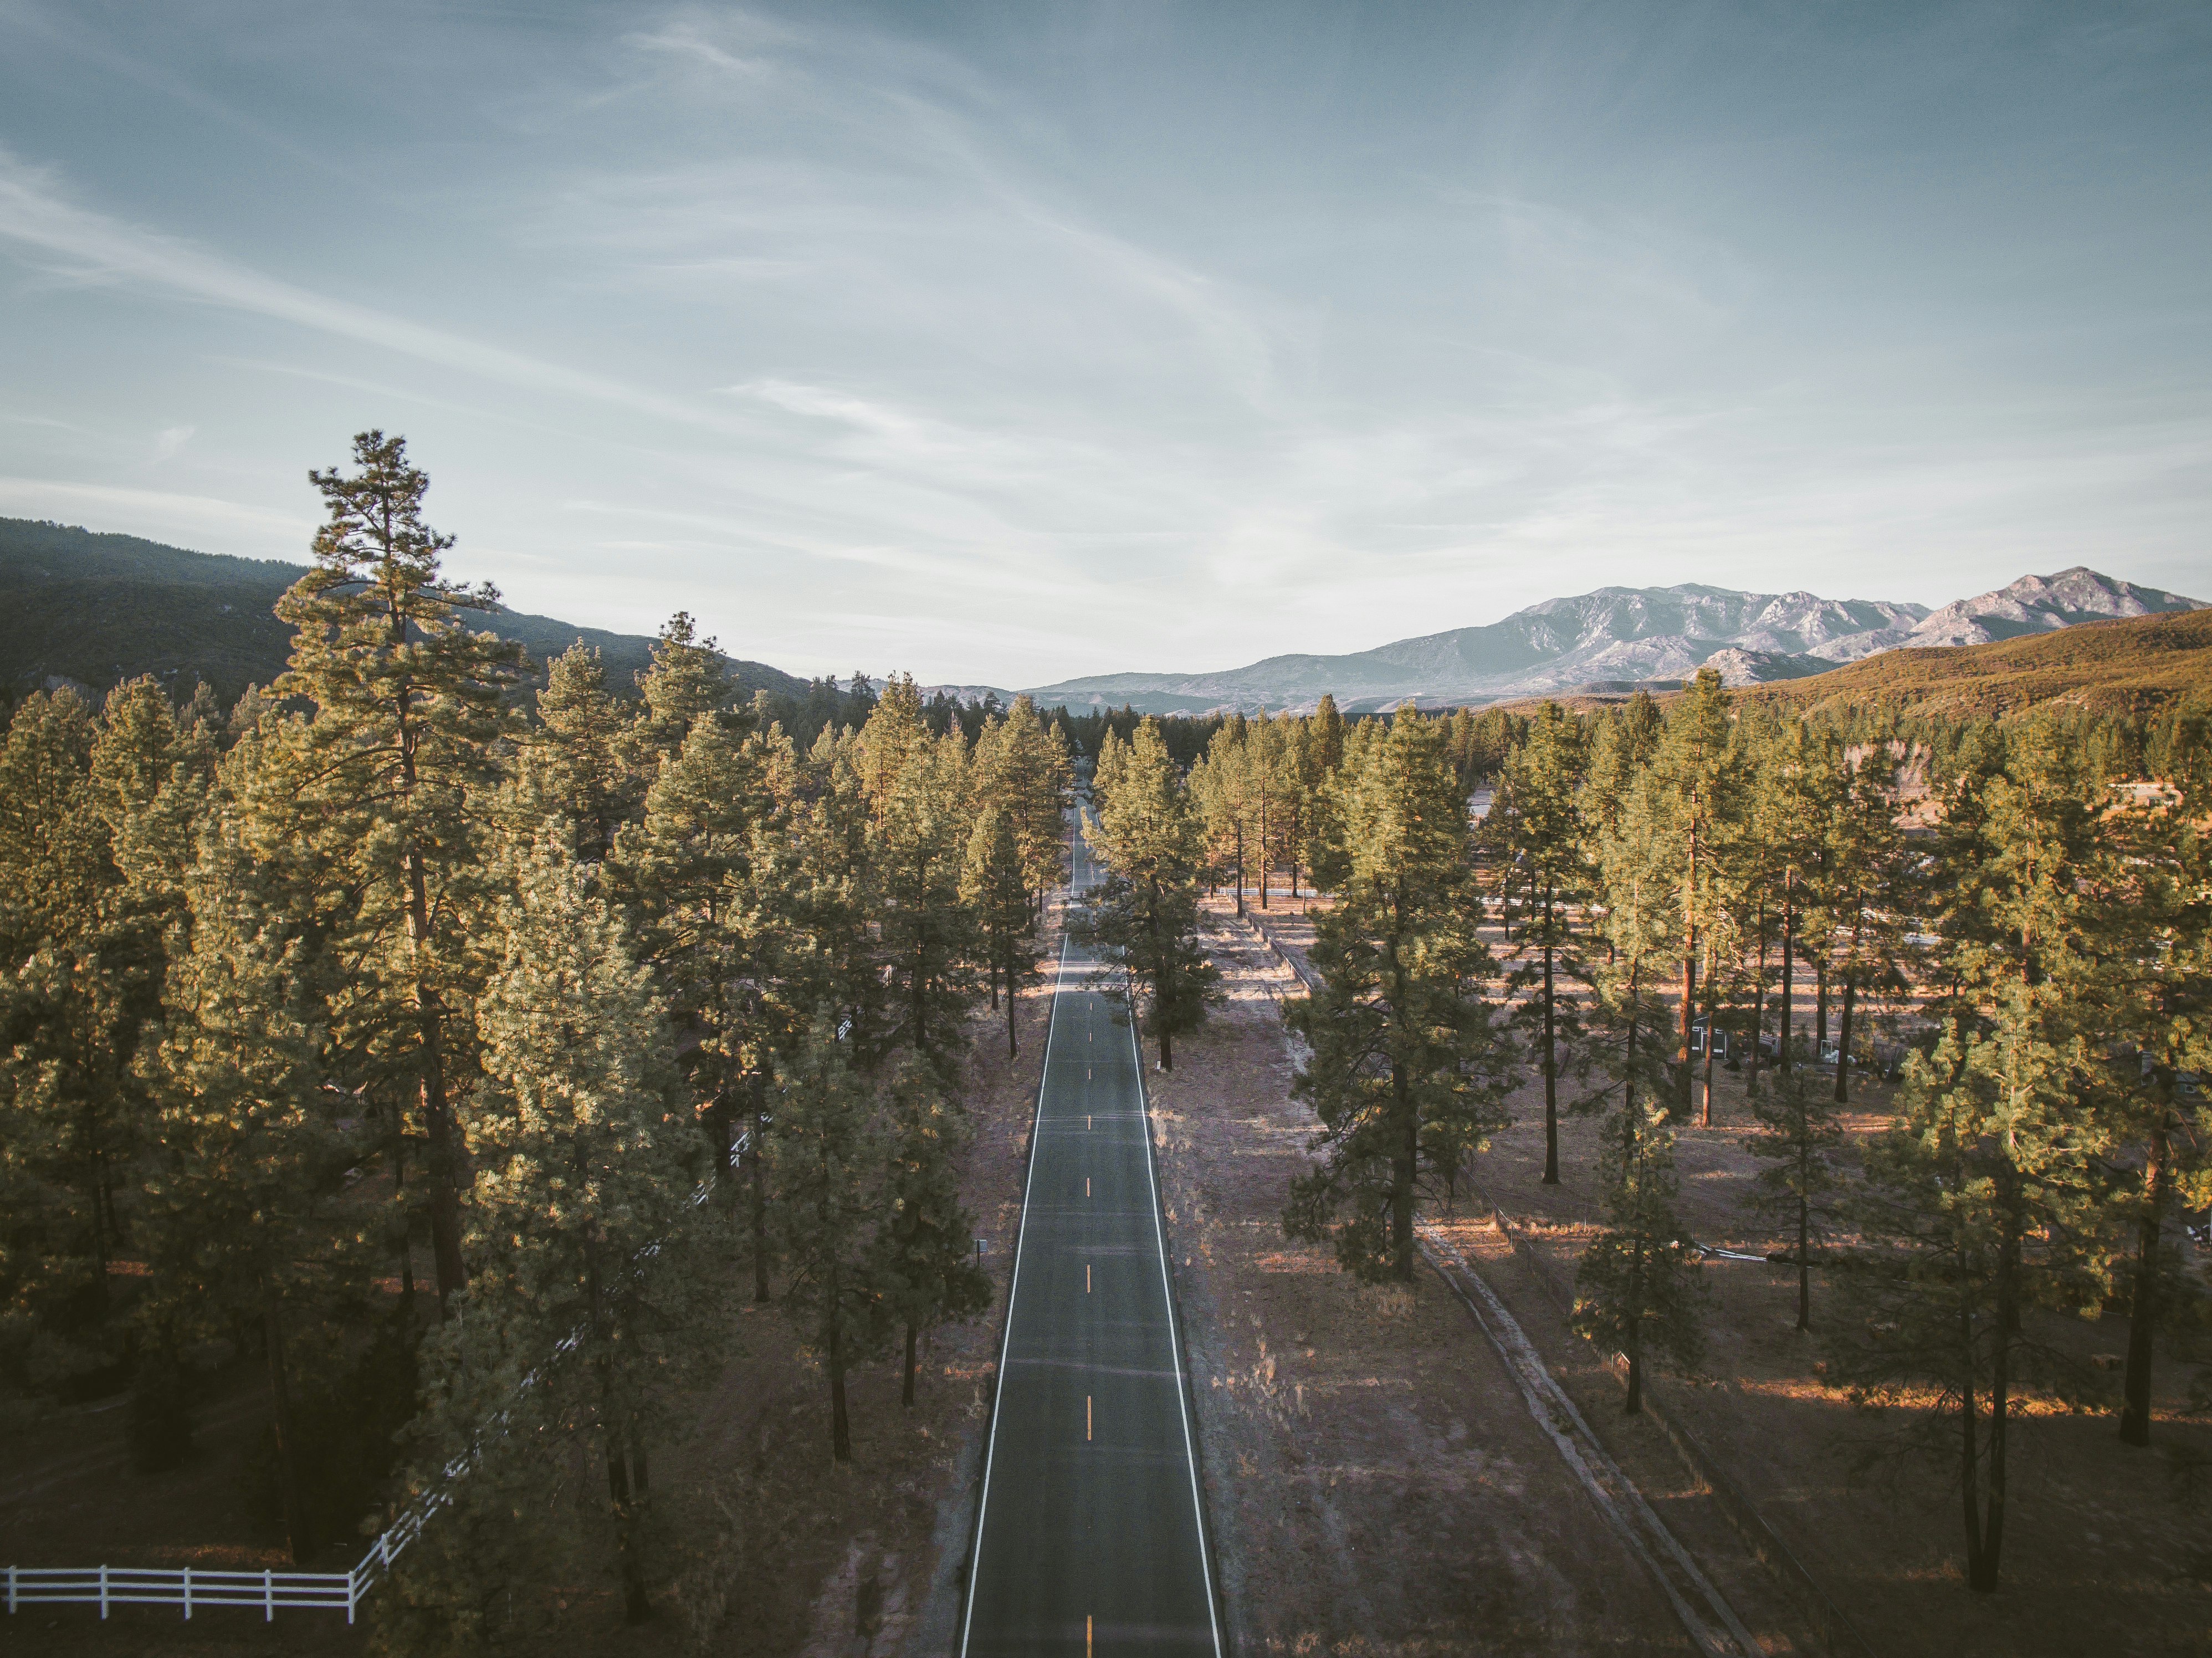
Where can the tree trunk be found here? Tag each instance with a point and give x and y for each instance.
(1163, 988)
(1789, 960)
(760, 1187)
(1689, 963)
(1013, 1045)
(2143, 1308)
(1404, 1163)
(1804, 1243)
(1635, 1343)
(622, 1495)
(297, 1537)
(1819, 1007)
(98, 1231)
(1711, 1042)
(906, 1393)
(1969, 1473)
(1550, 1059)
(840, 1427)
(406, 1227)
(1689, 998)
(1240, 871)
(1758, 1004)
(1844, 1037)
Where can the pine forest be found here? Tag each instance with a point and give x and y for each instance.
(481, 1054)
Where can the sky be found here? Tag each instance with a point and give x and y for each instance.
(1005, 342)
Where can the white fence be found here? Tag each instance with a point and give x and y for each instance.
(189, 1587)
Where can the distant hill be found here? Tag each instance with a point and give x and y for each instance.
(1620, 637)
(2132, 664)
(1625, 634)
(92, 609)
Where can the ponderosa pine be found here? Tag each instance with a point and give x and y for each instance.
(1408, 1070)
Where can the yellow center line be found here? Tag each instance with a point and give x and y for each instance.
(1086, 1277)
(1086, 1635)
(1086, 1416)
(1086, 1186)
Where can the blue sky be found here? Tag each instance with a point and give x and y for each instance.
(1006, 343)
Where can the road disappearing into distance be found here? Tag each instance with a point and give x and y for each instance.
(1089, 1539)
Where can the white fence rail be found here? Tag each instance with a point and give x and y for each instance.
(190, 1587)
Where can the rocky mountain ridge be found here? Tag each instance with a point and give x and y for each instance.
(1619, 636)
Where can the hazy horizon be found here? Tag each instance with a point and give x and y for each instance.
(1025, 343)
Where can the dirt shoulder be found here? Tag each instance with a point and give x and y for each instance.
(1376, 1480)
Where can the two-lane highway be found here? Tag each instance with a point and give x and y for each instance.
(1089, 1539)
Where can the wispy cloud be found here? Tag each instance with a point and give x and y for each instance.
(35, 213)
(172, 438)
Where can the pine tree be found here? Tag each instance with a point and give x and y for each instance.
(1027, 770)
(378, 807)
(1143, 916)
(827, 1163)
(917, 855)
(1978, 1206)
(1220, 787)
(2145, 976)
(244, 1195)
(1408, 1073)
(1800, 1143)
(1870, 886)
(1691, 781)
(83, 977)
(922, 1260)
(1797, 785)
(1536, 822)
(688, 681)
(587, 736)
(1637, 1290)
(592, 1258)
(680, 871)
(995, 886)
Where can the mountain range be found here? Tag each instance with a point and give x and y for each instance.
(1617, 638)
(90, 609)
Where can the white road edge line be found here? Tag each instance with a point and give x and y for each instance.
(1175, 1345)
(1014, 1281)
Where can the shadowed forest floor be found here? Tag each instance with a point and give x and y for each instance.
(2106, 1549)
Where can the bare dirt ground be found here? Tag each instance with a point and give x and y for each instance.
(774, 1548)
(2108, 1550)
(1376, 1482)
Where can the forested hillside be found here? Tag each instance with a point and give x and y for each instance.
(2137, 665)
(97, 608)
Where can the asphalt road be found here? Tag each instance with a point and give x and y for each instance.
(1089, 1540)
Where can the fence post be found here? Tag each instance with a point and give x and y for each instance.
(11, 1591)
(188, 1594)
(268, 1596)
(103, 1593)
